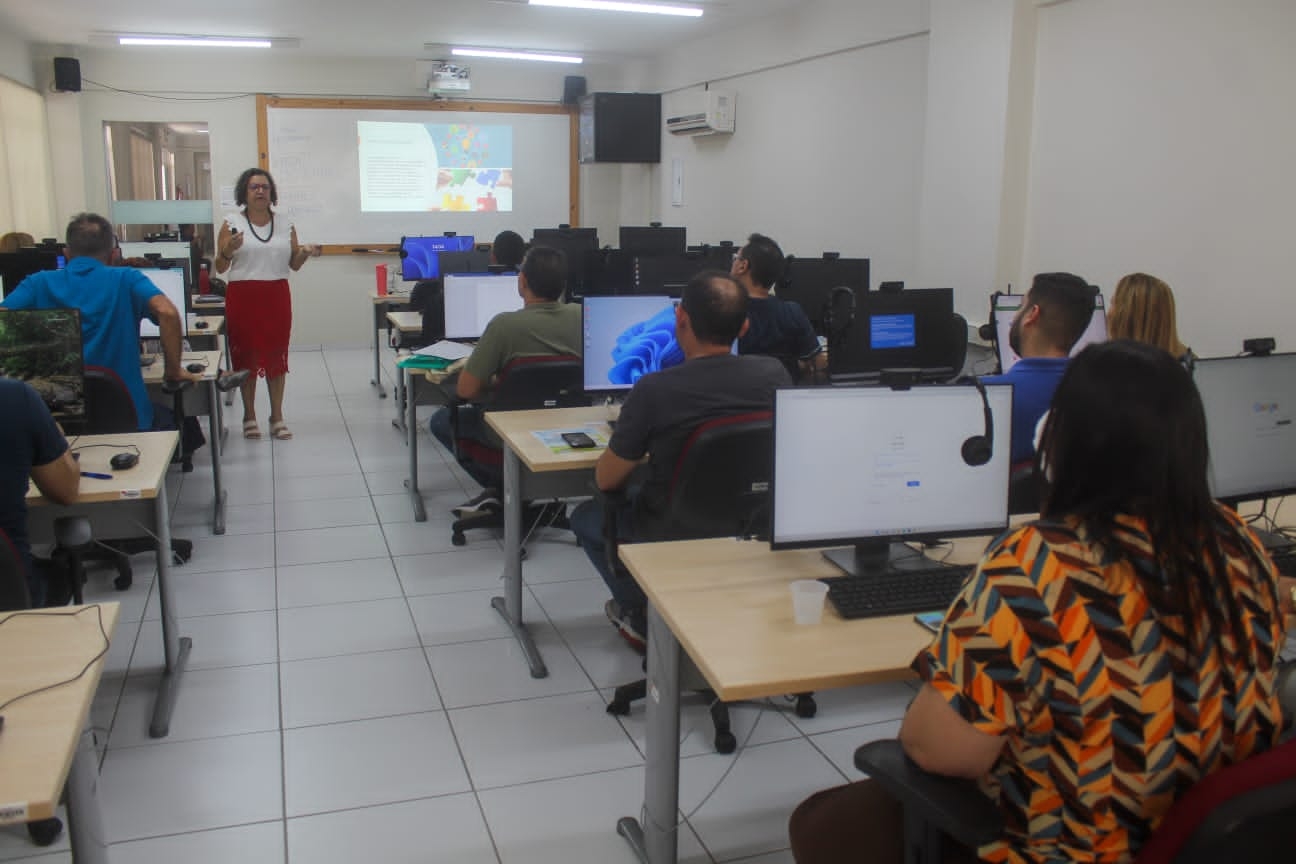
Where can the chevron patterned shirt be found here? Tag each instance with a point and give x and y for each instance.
(1110, 710)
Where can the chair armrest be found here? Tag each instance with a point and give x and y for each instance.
(954, 807)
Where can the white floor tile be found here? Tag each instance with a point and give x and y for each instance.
(16, 845)
(606, 658)
(356, 687)
(540, 739)
(449, 572)
(136, 601)
(337, 582)
(448, 829)
(556, 558)
(329, 544)
(320, 488)
(324, 513)
(419, 538)
(190, 785)
(858, 706)
(242, 552)
(347, 628)
(242, 639)
(577, 603)
(262, 843)
(840, 746)
(573, 819)
(468, 616)
(239, 519)
(479, 673)
(212, 703)
(367, 762)
(219, 592)
(752, 723)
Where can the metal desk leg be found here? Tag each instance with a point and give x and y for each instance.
(215, 429)
(229, 364)
(379, 316)
(411, 438)
(403, 401)
(657, 841)
(85, 821)
(176, 647)
(510, 605)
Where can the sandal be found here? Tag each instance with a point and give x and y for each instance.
(251, 431)
(279, 429)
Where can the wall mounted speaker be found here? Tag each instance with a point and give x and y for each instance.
(573, 89)
(67, 74)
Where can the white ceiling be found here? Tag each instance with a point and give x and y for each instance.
(382, 28)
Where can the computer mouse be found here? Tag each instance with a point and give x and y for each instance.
(123, 461)
(195, 368)
(200, 325)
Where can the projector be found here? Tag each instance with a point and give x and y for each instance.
(448, 78)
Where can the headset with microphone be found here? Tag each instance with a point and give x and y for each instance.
(979, 449)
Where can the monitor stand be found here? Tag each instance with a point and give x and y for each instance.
(876, 558)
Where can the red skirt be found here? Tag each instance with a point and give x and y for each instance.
(258, 323)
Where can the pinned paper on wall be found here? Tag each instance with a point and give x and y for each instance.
(227, 198)
(677, 182)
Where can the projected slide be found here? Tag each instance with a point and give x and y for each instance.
(435, 167)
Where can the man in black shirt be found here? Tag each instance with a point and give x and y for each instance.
(779, 328)
(661, 412)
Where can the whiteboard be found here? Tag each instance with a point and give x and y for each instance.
(314, 156)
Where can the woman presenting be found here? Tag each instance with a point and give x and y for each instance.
(258, 252)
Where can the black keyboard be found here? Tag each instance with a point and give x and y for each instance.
(1285, 560)
(896, 592)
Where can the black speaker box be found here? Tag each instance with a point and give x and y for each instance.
(573, 89)
(620, 127)
(67, 74)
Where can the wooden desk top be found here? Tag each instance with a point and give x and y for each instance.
(515, 429)
(41, 731)
(211, 359)
(406, 322)
(728, 603)
(197, 306)
(394, 299)
(142, 481)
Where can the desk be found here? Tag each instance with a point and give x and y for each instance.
(410, 394)
(44, 735)
(745, 650)
(211, 307)
(119, 507)
(202, 399)
(381, 304)
(407, 324)
(532, 470)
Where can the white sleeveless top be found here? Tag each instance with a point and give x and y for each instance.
(258, 260)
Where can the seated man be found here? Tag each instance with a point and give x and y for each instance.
(543, 326)
(508, 250)
(1051, 320)
(31, 444)
(112, 302)
(661, 412)
(778, 327)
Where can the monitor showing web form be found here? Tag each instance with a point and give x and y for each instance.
(472, 300)
(171, 282)
(1250, 405)
(1006, 306)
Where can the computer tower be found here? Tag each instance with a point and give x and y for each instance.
(620, 127)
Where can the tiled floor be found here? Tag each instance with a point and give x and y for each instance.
(352, 697)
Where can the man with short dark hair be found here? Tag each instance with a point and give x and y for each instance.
(508, 250)
(543, 326)
(1052, 318)
(779, 327)
(662, 411)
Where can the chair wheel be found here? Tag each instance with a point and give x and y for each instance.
(458, 539)
(725, 742)
(618, 707)
(43, 832)
(123, 580)
(806, 706)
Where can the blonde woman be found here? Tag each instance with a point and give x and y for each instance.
(1143, 309)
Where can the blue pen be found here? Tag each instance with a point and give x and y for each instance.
(94, 476)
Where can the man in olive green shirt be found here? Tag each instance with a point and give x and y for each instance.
(543, 326)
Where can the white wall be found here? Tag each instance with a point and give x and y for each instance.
(15, 56)
(1163, 141)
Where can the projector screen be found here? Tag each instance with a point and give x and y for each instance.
(348, 174)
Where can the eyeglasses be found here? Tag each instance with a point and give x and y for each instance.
(259, 187)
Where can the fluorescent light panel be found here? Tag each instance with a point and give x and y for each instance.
(619, 6)
(515, 55)
(194, 41)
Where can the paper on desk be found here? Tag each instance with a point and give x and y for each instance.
(552, 438)
(446, 350)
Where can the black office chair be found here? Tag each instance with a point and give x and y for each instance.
(956, 349)
(720, 488)
(1023, 490)
(428, 297)
(1245, 812)
(525, 383)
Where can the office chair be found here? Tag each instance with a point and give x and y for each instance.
(1245, 812)
(428, 297)
(525, 383)
(955, 356)
(719, 488)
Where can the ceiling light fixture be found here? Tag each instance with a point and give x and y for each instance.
(620, 6)
(194, 41)
(516, 55)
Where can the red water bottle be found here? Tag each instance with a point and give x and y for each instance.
(380, 273)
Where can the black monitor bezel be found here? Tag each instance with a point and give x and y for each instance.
(854, 356)
(609, 390)
(809, 282)
(652, 239)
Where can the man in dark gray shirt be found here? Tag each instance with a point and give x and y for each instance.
(661, 413)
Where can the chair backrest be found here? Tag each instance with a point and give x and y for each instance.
(720, 487)
(428, 297)
(1245, 812)
(1023, 490)
(13, 581)
(549, 381)
(956, 348)
(110, 410)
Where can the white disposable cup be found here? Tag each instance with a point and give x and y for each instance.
(808, 600)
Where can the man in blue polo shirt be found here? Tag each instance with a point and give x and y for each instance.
(1052, 318)
(112, 302)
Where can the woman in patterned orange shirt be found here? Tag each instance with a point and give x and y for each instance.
(1100, 660)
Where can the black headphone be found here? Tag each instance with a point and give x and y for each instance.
(835, 328)
(979, 449)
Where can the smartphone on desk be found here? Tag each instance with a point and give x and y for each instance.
(578, 440)
(930, 620)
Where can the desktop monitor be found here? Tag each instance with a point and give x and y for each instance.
(17, 266)
(472, 300)
(668, 274)
(466, 261)
(1250, 405)
(43, 348)
(652, 240)
(810, 283)
(910, 330)
(625, 338)
(1005, 306)
(607, 272)
(869, 466)
(171, 282)
(420, 255)
(575, 244)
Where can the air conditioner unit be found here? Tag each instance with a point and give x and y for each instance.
(706, 113)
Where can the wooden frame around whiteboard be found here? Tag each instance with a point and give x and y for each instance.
(572, 112)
